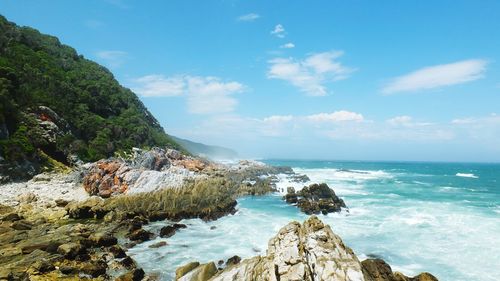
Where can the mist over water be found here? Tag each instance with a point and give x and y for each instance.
(438, 217)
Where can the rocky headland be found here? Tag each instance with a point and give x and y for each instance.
(301, 252)
(78, 224)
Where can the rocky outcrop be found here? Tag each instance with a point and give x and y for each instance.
(143, 171)
(315, 199)
(303, 252)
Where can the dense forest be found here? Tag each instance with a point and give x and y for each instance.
(56, 103)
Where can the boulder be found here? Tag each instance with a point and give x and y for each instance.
(169, 230)
(158, 245)
(103, 239)
(315, 199)
(140, 235)
(133, 275)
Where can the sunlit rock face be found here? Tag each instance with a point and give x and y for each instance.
(302, 252)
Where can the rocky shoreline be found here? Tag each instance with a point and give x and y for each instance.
(300, 252)
(78, 225)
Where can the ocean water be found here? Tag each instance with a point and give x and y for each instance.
(443, 218)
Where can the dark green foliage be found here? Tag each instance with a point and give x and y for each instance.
(103, 117)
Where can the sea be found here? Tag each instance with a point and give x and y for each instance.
(442, 218)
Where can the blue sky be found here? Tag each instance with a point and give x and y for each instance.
(358, 80)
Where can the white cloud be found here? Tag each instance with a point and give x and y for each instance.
(406, 121)
(278, 31)
(248, 17)
(310, 74)
(438, 76)
(288, 45)
(337, 116)
(112, 58)
(205, 95)
(492, 119)
(159, 86)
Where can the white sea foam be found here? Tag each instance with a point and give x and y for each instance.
(466, 175)
(327, 174)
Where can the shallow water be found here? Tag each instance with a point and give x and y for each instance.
(416, 216)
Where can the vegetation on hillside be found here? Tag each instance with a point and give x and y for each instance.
(98, 116)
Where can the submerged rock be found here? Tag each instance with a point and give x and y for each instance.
(315, 199)
(304, 252)
(169, 230)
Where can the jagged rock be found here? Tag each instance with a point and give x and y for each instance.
(315, 199)
(306, 252)
(169, 230)
(43, 266)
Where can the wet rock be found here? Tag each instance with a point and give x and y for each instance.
(128, 262)
(94, 269)
(158, 245)
(233, 260)
(117, 251)
(140, 235)
(134, 275)
(291, 197)
(379, 270)
(169, 230)
(315, 199)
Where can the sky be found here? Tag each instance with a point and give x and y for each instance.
(340, 80)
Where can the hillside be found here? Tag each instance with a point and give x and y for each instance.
(203, 150)
(55, 105)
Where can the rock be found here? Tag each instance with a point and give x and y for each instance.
(21, 225)
(291, 197)
(315, 199)
(43, 266)
(134, 275)
(117, 251)
(202, 272)
(233, 260)
(306, 252)
(377, 270)
(128, 262)
(103, 239)
(169, 230)
(158, 245)
(70, 250)
(140, 235)
(183, 270)
(90, 208)
(94, 269)
(11, 217)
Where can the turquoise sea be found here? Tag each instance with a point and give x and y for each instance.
(443, 218)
